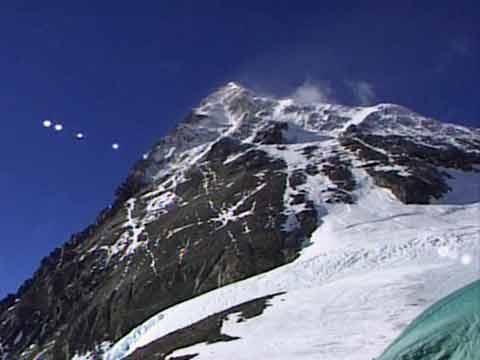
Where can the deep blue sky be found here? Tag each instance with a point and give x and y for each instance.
(129, 71)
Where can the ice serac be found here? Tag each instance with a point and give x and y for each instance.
(257, 209)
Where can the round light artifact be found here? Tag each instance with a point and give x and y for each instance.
(466, 259)
(145, 156)
(443, 251)
(79, 136)
(115, 146)
(58, 127)
(47, 123)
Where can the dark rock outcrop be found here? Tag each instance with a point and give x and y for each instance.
(422, 179)
(208, 330)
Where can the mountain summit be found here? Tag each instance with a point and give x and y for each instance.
(317, 198)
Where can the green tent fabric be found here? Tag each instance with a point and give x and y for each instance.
(450, 329)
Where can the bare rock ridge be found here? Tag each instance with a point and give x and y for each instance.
(235, 190)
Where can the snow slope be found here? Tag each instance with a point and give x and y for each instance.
(371, 269)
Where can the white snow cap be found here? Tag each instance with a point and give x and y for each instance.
(233, 84)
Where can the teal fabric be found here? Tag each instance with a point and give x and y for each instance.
(450, 329)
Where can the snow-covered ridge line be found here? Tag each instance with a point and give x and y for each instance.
(238, 112)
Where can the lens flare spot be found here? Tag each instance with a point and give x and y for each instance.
(466, 259)
(443, 251)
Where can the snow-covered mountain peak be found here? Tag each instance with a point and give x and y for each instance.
(246, 184)
(223, 96)
(234, 85)
(237, 112)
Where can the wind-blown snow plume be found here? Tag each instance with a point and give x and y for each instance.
(309, 93)
(363, 92)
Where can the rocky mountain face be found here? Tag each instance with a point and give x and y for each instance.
(236, 190)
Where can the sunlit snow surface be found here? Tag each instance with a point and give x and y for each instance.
(371, 269)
